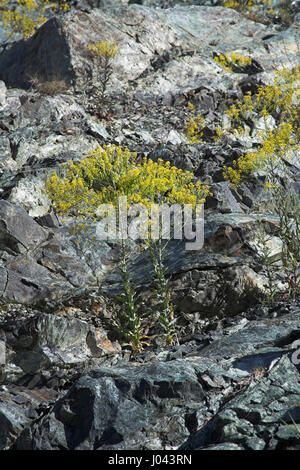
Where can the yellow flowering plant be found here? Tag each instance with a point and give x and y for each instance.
(102, 177)
(276, 145)
(109, 172)
(280, 99)
(259, 8)
(262, 10)
(195, 127)
(232, 61)
(28, 15)
(104, 53)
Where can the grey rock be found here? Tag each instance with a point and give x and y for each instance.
(253, 336)
(22, 59)
(49, 220)
(18, 232)
(160, 395)
(223, 199)
(224, 446)
(37, 263)
(98, 131)
(58, 341)
(2, 349)
(6, 156)
(254, 443)
(260, 407)
(147, 391)
(2, 94)
(14, 402)
(24, 280)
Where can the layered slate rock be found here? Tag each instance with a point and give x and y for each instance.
(219, 396)
(97, 412)
(262, 417)
(217, 276)
(48, 341)
(38, 263)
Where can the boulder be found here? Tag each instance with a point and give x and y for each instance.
(49, 341)
(19, 233)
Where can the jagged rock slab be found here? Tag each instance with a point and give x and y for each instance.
(49, 341)
(37, 262)
(169, 400)
(19, 233)
(18, 406)
(258, 417)
(97, 412)
(219, 275)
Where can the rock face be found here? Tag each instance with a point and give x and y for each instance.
(37, 263)
(174, 401)
(232, 380)
(58, 49)
(219, 276)
(258, 418)
(19, 233)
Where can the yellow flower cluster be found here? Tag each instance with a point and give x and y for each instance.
(276, 145)
(110, 172)
(242, 110)
(63, 6)
(281, 98)
(227, 61)
(281, 95)
(194, 128)
(104, 49)
(219, 134)
(231, 4)
(28, 15)
(250, 6)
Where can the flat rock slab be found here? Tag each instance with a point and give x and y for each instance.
(18, 232)
(256, 334)
(18, 407)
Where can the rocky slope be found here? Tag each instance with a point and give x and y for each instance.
(232, 381)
